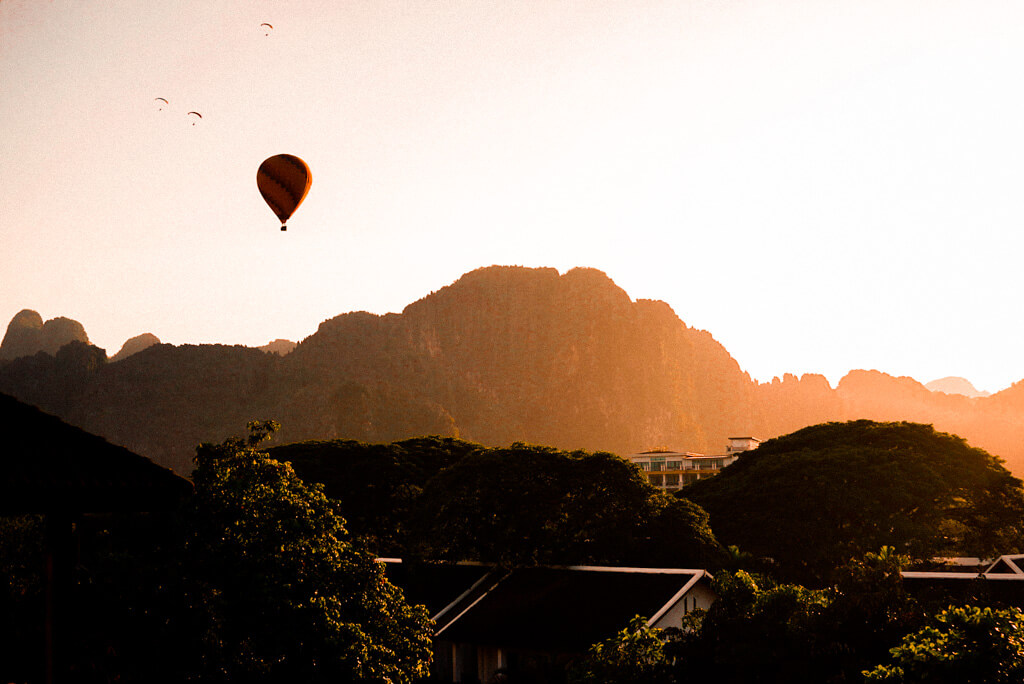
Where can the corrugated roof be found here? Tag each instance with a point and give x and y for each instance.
(50, 466)
(564, 609)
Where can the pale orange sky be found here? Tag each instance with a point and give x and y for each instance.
(821, 185)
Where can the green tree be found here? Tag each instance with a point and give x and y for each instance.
(376, 485)
(813, 499)
(965, 645)
(868, 612)
(284, 592)
(755, 631)
(759, 630)
(527, 505)
(636, 655)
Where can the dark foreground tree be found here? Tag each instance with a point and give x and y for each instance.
(254, 579)
(285, 593)
(826, 493)
(376, 485)
(528, 505)
(965, 645)
(21, 597)
(636, 655)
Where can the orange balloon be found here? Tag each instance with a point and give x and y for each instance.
(283, 180)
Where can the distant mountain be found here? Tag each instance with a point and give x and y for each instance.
(503, 354)
(135, 345)
(27, 335)
(279, 347)
(954, 385)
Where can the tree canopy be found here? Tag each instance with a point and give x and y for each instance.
(963, 645)
(527, 504)
(636, 655)
(287, 594)
(374, 485)
(443, 498)
(814, 498)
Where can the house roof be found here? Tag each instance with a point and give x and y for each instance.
(50, 466)
(1006, 567)
(1007, 564)
(562, 609)
(435, 585)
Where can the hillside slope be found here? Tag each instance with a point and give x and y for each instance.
(503, 354)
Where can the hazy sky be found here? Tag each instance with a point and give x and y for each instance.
(821, 184)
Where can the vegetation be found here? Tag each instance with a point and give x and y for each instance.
(259, 577)
(448, 499)
(255, 579)
(963, 645)
(376, 486)
(21, 596)
(759, 631)
(636, 655)
(286, 594)
(812, 499)
(528, 505)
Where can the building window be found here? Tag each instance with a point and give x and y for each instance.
(657, 466)
(672, 480)
(656, 480)
(644, 465)
(673, 465)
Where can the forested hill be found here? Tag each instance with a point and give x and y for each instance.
(503, 354)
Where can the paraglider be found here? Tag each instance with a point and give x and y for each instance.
(268, 27)
(160, 99)
(197, 114)
(283, 180)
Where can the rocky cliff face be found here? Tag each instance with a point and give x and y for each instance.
(135, 345)
(27, 335)
(514, 354)
(504, 354)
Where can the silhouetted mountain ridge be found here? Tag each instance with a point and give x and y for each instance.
(135, 345)
(503, 354)
(27, 334)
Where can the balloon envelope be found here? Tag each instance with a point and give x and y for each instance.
(283, 180)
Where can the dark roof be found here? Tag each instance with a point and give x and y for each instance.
(994, 588)
(49, 466)
(434, 585)
(563, 609)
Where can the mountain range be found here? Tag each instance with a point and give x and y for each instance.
(503, 354)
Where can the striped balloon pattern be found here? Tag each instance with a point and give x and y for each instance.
(283, 180)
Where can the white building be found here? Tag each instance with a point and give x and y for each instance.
(671, 470)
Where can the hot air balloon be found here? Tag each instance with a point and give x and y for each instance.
(197, 114)
(283, 180)
(160, 99)
(268, 27)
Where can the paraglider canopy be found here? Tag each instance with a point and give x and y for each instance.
(283, 180)
(268, 27)
(160, 99)
(197, 114)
